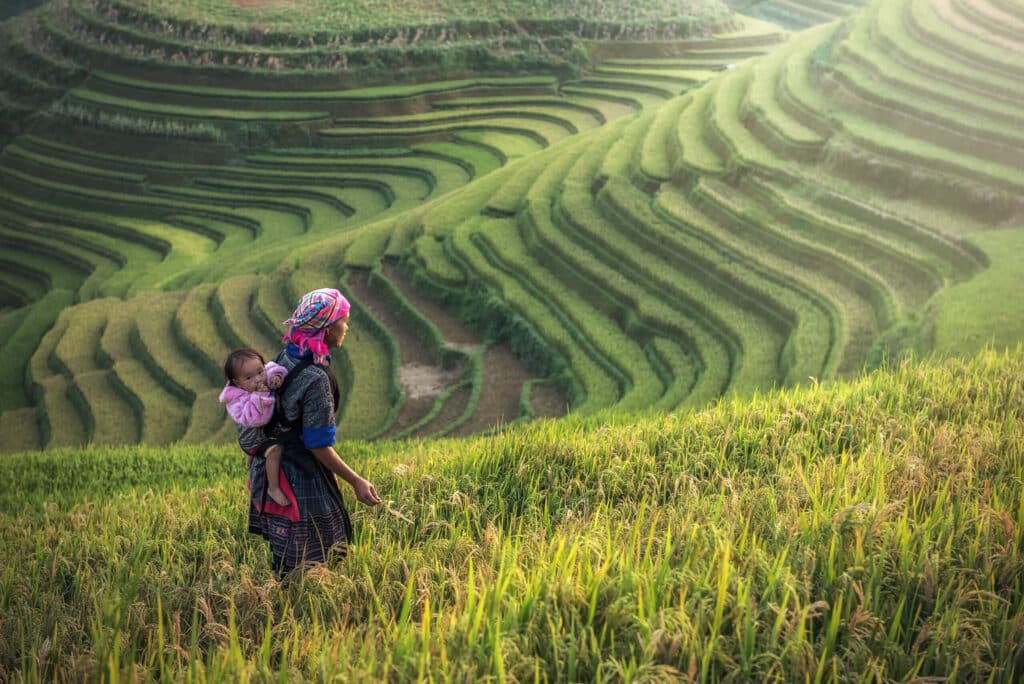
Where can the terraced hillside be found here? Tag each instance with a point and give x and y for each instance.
(797, 14)
(680, 220)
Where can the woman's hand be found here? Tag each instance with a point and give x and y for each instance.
(365, 492)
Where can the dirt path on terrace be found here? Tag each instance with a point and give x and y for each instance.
(420, 377)
(503, 372)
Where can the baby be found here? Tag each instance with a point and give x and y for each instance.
(250, 404)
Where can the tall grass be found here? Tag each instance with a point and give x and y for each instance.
(862, 531)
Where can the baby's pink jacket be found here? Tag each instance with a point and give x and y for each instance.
(252, 409)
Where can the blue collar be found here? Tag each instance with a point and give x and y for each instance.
(292, 350)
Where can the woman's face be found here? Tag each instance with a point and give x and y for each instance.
(336, 332)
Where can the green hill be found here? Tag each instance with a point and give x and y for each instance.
(859, 530)
(644, 219)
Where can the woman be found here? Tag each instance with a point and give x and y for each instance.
(315, 524)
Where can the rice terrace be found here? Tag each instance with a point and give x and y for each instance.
(685, 339)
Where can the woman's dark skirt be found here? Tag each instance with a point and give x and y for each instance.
(315, 527)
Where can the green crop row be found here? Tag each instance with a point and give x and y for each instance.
(180, 249)
(70, 167)
(486, 313)
(198, 334)
(80, 39)
(990, 19)
(922, 21)
(796, 91)
(626, 84)
(671, 295)
(725, 131)
(62, 420)
(911, 280)
(176, 118)
(978, 173)
(585, 113)
(627, 102)
(170, 196)
(374, 361)
(134, 125)
(644, 293)
(890, 31)
(476, 160)
(324, 25)
(96, 261)
(54, 170)
(20, 344)
(234, 304)
(414, 180)
(326, 206)
(78, 356)
(139, 163)
(38, 271)
(726, 300)
(631, 307)
(352, 98)
(696, 156)
(580, 298)
(962, 258)
(154, 343)
(542, 132)
(682, 371)
(428, 253)
(611, 342)
(928, 121)
(660, 150)
(507, 199)
(860, 49)
(598, 387)
(791, 14)
(828, 340)
(778, 130)
(161, 416)
(572, 121)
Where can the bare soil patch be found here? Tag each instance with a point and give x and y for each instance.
(503, 372)
(426, 381)
(452, 329)
(418, 374)
(548, 401)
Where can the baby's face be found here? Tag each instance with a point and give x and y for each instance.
(252, 376)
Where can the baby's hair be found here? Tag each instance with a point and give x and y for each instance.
(237, 358)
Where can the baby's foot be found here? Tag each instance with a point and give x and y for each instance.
(278, 496)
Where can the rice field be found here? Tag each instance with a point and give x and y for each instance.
(866, 530)
(686, 233)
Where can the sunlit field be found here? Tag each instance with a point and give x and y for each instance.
(868, 530)
(685, 340)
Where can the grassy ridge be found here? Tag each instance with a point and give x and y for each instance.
(198, 19)
(860, 530)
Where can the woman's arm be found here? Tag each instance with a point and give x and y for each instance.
(365, 491)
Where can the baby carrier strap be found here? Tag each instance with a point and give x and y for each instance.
(279, 415)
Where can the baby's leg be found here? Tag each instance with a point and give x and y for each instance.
(273, 456)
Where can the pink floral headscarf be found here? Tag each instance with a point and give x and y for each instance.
(309, 322)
